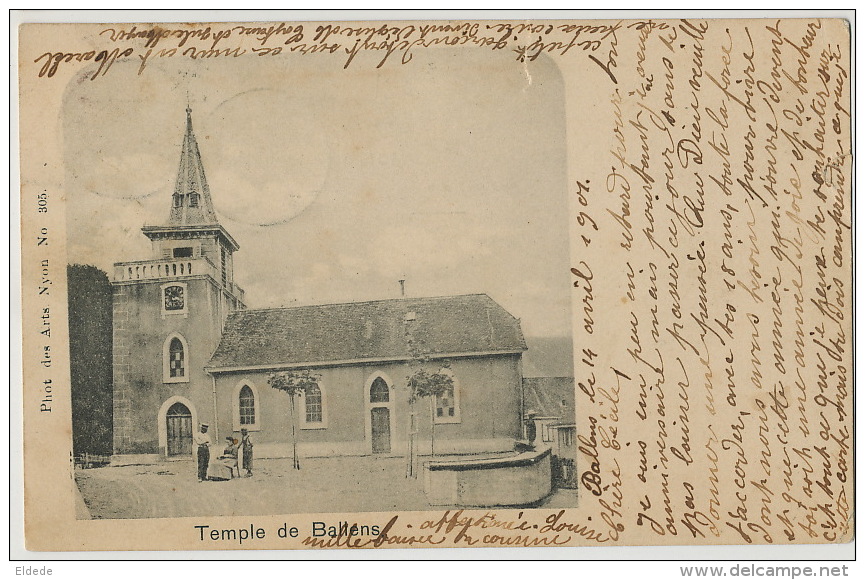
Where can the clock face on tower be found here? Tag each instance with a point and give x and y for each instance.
(174, 298)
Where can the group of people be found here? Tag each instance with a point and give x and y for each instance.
(237, 455)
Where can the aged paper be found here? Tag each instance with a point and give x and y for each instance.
(450, 284)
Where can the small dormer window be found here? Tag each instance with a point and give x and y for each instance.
(193, 199)
(178, 200)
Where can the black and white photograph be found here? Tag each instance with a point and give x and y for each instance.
(297, 292)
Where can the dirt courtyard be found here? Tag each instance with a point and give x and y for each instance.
(327, 484)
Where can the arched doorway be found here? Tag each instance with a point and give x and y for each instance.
(379, 400)
(178, 430)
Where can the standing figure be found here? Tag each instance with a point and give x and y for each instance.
(246, 448)
(531, 428)
(203, 442)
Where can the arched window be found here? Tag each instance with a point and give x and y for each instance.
(379, 391)
(313, 405)
(176, 362)
(246, 404)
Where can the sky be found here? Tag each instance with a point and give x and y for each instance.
(449, 172)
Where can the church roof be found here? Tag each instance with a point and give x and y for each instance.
(355, 332)
(191, 201)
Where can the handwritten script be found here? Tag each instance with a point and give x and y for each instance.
(723, 233)
(379, 44)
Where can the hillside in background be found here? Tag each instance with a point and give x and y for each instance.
(548, 356)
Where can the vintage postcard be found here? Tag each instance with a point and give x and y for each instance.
(390, 284)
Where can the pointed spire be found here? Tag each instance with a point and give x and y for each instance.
(191, 203)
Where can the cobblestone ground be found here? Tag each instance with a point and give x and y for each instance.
(323, 485)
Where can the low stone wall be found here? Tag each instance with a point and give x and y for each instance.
(398, 448)
(521, 479)
(338, 448)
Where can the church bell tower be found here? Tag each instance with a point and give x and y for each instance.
(169, 313)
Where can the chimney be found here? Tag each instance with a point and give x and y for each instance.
(402, 288)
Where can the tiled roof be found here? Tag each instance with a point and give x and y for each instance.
(550, 397)
(447, 325)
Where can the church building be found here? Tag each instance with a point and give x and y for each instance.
(187, 351)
